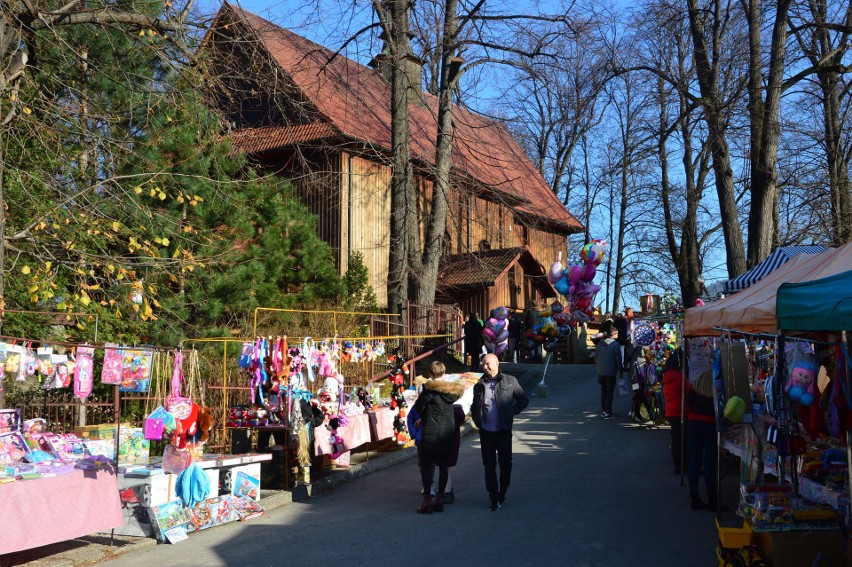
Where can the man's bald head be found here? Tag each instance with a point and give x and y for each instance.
(491, 364)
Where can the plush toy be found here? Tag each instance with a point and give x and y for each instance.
(205, 423)
(800, 385)
(399, 371)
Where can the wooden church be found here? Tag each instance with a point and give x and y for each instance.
(304, 112)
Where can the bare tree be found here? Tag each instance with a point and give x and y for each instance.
(825, 50)
(556, 104)
(708, 26)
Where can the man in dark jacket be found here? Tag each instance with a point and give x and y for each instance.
(497, 399)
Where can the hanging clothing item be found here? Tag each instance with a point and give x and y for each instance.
(193, 485)
(308, 349)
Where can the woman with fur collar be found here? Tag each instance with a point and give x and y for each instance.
(434, 405)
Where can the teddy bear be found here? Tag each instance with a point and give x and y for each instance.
(800, 385)
(205, 423)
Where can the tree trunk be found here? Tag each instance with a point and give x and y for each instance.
(401, 183)
(765, 130)
(826, 59)
(685, 256)
(428, 263)
(716, 126)
(838, 167)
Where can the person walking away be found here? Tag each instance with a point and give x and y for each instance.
(533, 318)
(702, 441)
(673, 396)
(644, 378)
(436, 372)
(515, 328)
(437, 439)
(497, 399)
(621, 323)
(473, 340)
(608, 362)
(453, 459)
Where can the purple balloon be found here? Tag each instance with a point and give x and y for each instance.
(589, 272)
(501, 349)
(575, 273)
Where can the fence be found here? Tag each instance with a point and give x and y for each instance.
(220, 382)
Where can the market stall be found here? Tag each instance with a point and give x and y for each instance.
(103, 477)
(58, 508)
(752, 310)
(800, 515)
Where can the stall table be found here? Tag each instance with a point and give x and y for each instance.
(48, 510)
(154, 487)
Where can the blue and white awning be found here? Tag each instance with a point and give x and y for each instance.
(778, 258)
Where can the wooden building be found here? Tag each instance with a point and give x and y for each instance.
(324, 121)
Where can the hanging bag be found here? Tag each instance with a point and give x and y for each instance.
(83, 378)
(155, 424)
(113, 364)
(175, 460)
(178, 406)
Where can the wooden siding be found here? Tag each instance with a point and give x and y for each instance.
(545, 246)
(368, 186)
(320, 192)
(350, 194)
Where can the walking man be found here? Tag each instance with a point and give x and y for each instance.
(497, 399)
(608, 361)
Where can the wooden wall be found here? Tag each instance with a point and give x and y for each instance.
(351, 197)
(367, 186)
(320, 191)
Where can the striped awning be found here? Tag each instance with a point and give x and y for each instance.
(778, 258)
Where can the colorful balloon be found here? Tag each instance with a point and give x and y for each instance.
(575, 273)
(555, 272)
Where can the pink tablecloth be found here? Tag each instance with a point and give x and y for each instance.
(355, 434)
(48, 510)
(381, 424)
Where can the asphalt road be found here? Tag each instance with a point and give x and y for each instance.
(586, 492)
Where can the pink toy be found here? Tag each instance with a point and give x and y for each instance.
(800, 385)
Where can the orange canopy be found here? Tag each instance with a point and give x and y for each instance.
(752, 310)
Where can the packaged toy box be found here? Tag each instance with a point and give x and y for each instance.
(132, 445)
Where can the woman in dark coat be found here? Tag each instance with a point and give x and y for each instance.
(473, 340)
(438, 438)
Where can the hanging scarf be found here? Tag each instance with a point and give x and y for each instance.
(308, 349)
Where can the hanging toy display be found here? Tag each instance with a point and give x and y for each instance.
(398, 373)
(397, 404)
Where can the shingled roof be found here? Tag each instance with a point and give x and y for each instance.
(485, 268)
(355, 101)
